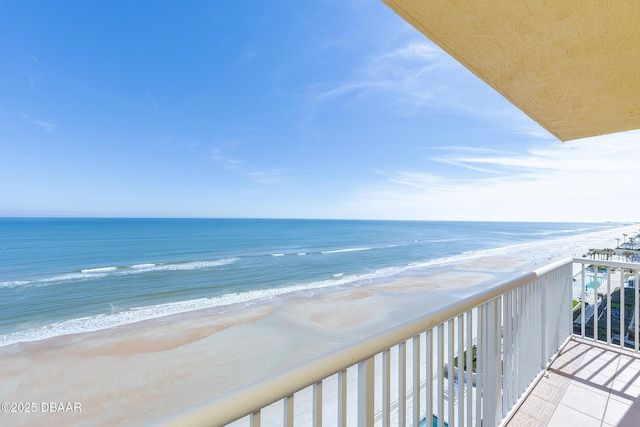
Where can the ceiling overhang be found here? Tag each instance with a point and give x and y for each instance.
(572, 66)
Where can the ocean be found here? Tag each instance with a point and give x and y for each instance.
(61, 275)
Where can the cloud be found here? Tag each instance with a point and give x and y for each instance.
(587, 180)
(410, 75)
(218, 156)
(266, 177)
(43, 124)
(47, 126)
(594, 156)
(242, 169)
(247, 54)
(404, 71)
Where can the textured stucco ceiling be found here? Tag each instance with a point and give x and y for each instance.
(571, 65)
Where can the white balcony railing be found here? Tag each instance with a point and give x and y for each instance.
(609, 302)
(417, 374)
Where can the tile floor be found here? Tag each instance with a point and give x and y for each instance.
(588, 385)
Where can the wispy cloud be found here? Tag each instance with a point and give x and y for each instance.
(43, 124)
(247, 54)
(589, 156)
(414, 75)
(267, 177)
(586, 180)
(403, 70)
(47, 126)
(217, 155)
(246, 169)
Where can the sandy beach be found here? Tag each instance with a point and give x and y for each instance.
(138, 373)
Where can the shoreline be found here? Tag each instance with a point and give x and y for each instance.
(171, 363)
(502, 259)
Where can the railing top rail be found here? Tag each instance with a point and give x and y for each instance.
(607, 263)
(229, 407)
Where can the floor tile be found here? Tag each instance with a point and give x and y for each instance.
(629, 375)
(628, 394)
(587, 386)
(523, 420)
(600, 365)
(538, 408)
(609, 369)
(548, 392)
(621, 415)
(567, 369)
(556, 379)
(565, 416)
(585, 400)
(599, 383)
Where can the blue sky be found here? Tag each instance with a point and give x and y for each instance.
(325, 109)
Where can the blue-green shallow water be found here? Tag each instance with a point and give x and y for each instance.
(60, 276)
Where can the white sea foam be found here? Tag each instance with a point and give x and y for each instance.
(102, 272)
(277, 254)
(13, 283)
(192, 265)
(69, 277)
(133, 315)
(124, 317)
(576, 231)
(345, 250)
(52, 280)
(98, 270)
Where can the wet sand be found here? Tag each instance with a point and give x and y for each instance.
(134, 374)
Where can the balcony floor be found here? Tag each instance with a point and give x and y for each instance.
(588, 385)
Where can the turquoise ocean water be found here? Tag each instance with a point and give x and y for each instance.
(61, 276)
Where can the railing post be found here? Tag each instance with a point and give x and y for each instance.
(507, 352)
(480, 360)
(255, 419)
(342, 398)
(416, 380)
(623, 306)
(582, 304)
(288, 411)
(386, 388)
(470, 370)
(451, 385)
(636, 307)
(366, 393)
(609, 304)
(460, 376)
(429, 368)
(544, 327)
(494, 366)
(440, 380)
(317, 404)
(596, 267)
(402, 384)
(621, 301)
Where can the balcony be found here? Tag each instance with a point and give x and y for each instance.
(588, 384)
(556, 346)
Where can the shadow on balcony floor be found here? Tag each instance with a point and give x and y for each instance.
(588, 385)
